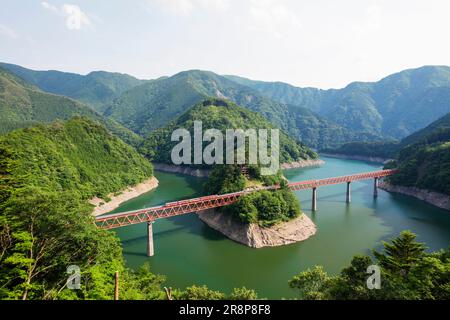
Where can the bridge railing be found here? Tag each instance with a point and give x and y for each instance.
(174, 208)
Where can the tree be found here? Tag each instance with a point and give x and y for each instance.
(402, 254)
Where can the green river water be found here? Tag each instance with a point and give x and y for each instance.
(188, 252)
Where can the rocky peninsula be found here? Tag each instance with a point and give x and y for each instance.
(252, 235)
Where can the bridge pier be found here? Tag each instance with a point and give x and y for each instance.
(150, 249)
(314, 199)
(375, 187)
(348, 196)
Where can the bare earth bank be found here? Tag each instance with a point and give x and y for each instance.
(203, 173)
(102, 207)
(435, 198)
(252, 235)
(356, 157)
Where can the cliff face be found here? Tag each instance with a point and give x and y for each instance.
(253, 235)
(435, 198)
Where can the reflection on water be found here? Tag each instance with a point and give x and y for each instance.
(188, 252)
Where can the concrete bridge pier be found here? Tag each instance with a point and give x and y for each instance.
(375, 187)
(348, 196)
(314, 199)
(150, 248)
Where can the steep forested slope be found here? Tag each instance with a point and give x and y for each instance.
(96, 88)
(47, 173)
(394, 107)
(219, 114)
(426, 164)
(22, 105)
(153, 105)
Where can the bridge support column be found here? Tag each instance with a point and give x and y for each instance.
(150, 249)
(314, 199)
(348, 196)
(375, 187)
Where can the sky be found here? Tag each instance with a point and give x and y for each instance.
(324, 44)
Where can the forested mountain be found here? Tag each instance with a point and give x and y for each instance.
(219, 114)
(47, 174)
(154, 104)
(440, 124)
(96, 88)
(23, 105)
(394, 107)
(390, 149)
(426, 164)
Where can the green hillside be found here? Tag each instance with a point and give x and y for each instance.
(426, 164)
(96, 88)
(219, 114)
(47, 174)
(22, 105)
(393, 107)
(390, 149)
(154, 104)
(440, 124)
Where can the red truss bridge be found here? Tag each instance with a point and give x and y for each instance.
(171, 209)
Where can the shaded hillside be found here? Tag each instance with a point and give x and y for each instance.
(96, 88)
(390, 149)
(219, 114)
(394, 107)
(154, 104)
(22, 105)
(426, 164)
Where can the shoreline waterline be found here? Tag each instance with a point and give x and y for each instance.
(131, 192)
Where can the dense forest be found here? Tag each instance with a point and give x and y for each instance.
(266, 207)
(97, 88)
(391, 108)
(425, 164)
(23, 105)
(47, 173)
(219, 114)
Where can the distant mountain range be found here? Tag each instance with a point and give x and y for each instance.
(393, 107)
(24, 105)
(96, 89)
(389, 109)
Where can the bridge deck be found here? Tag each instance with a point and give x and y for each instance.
(175, 208)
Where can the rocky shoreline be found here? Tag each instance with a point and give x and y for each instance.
(356, 157)
(102, 207)
(254, 236)
(302, 164)
(435, 198)
(203, 173)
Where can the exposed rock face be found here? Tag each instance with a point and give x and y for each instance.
(356, 157)
(302, 164)
(435, 198)
(253, 235)
(101, 206)
(203, 173)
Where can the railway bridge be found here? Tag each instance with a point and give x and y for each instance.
(171, 209)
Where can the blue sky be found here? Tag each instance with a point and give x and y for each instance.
(306, 43)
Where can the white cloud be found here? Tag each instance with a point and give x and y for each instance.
(8, 32)
(49, 6)
(75, 18)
